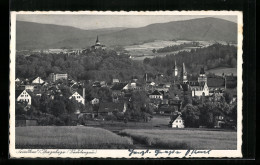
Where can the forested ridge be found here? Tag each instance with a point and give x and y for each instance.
(214, 56)
(95, 65)
(177, 47)
(106, 64)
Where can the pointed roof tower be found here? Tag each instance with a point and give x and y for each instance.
(97, 41)
(202, 70)
(183, 68)
(184, 74)
(175, 65)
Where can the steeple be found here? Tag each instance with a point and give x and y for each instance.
(202, 77)
(175, 69)
(202, 70)
(183, 67)
(97, 40)
(184, 74)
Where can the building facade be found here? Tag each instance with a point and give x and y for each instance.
(37, 80)
(183, 75)
(54, 77)
(24, 97)
(78, 98)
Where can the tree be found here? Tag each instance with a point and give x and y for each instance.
(19, 108)
(44, 103)
(58, 108)
(187, 100)
(191, 114)
(71, 105)
(228, 96)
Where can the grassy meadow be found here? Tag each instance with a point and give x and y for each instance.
(183, 139)
(227, 71)
(52, 137)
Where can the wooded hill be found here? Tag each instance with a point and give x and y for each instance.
(214, 56)
(106, 64)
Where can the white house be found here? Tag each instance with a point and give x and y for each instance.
(25, 97)
(156, 95)
(78, 98)
(94, 101)
(37, 80)
(115, 80)
(17, 80)
(177, 122)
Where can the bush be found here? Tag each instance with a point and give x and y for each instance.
(57, 121)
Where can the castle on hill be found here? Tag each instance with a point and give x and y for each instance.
(98, 45)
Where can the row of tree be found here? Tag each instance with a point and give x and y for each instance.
(176, 47)
(216, 55)
(95, 65)
(206, 114)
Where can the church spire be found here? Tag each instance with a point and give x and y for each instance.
(184, 74)
(183, 68)
(97, 40)
(175, 69)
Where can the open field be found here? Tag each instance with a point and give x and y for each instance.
(140, 135)
(219, 71)
(183, 139)
(116, 126)
(144, 50)
(66, 137)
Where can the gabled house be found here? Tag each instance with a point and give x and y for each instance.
(37, 80)
(176, 121)
(23, 96)
(94, 101)
(115, 80)
(17, 80)
(78, 98)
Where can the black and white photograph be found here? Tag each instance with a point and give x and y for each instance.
(126, 84)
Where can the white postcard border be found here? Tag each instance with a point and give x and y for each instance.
(111, 153)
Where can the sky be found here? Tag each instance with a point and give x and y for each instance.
(110, 21)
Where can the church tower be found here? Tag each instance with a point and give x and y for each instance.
(184, 74)
(175, 70)
(97, 41)
(202, 77)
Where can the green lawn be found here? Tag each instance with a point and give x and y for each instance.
(68, 137)
(183, 139)
(227, 71)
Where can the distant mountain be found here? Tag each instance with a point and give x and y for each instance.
(35, 36)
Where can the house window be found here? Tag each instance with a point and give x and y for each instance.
(21, 95)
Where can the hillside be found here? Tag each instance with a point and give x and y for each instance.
(35, 35)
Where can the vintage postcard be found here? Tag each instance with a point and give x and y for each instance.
(164, 84)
